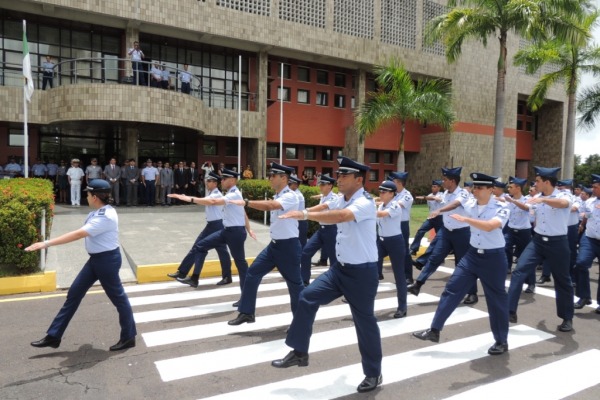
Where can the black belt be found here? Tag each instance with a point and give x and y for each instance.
(363, 265)
(489, 251)
(457, 229)
(551, 238)
(275, 241)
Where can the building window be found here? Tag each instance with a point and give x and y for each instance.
(321, 99)
(386, 175)
(340, 101)
(373, 175)
(352, 102)
(327, 154)
(209, 148)
(285, 94)
(291, 153)
(287, 71)
(322, 77)
(327, 171)
(272, 151)
(231, 149)
(388, 157)
(308, 172)
(304, 74)
(340, 80)
(310, 153)
(373, 157)
(16, 138)
(303, 96)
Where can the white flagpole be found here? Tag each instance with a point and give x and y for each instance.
(281, 117)
(240, 116)
(25, 130)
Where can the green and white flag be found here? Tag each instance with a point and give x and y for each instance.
(27, 66)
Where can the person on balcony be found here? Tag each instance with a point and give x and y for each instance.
(186, 79)
(136, 64)
(47, 72)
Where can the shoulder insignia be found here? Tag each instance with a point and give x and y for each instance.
(503, 212)
(102, 211)
(367, 195)
(407, 198)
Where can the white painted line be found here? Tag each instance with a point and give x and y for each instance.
(237, 357)
(547, 382)
(343, 381)
(198, 332)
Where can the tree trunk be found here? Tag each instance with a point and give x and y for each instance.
(401, 163)
(568, 168)
(498, 148)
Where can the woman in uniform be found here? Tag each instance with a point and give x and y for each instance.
(101, 235)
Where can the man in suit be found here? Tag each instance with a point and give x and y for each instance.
(112, 174)
(192, 189)
(166, 183)
(132, 176)
(181, 180)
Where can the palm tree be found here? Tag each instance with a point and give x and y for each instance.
(589, 106)
(401, 99)
(484, 19)
(570, 61)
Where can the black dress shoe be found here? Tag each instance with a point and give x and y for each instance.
(48, 341)
(188, 281)
(415, 288)
(429, 334)
(582, 303)
(123, 344)
(530, 289)
(369, 383)
(400, 313)
(471, 299)
(409, 281)
(566, 326)
(176, 275)
(320, 263)
(543, 279)
(498, 348)
(417, 265)
(236, 304)
(414, 252)
(380, 277)
(225, 281)
(291, 359)
(512, 318)
(241, 318)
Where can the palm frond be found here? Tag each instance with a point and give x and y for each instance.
(589, 107)
(536, 99)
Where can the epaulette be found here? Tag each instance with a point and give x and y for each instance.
(102, 211)
(367, 195)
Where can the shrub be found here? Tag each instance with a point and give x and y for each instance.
(21, 204)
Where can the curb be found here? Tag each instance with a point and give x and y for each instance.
(42, 282)
(158, 272)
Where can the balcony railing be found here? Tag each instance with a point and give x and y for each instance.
(117, 71)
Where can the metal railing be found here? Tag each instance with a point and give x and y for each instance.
(118, 71)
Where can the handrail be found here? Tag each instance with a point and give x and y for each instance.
(96, 70)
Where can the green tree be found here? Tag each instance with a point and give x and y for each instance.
(583, 171)
(484, 19)
(570, 60)
(399, 98)
(589, 106)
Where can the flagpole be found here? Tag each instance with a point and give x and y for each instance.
(281, 117)
(240, 115)
(25, 130)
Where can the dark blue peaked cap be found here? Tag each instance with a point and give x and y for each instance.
(398, 175)
(595, 178)
(437, 182)
(97, 185)
(227, 173)
(565, 182)
(587, 190)
(280, 169)
(388, 186)
(349, 166)
(451, 171)
(546, 172)
(213, 177)
(499, 184)
(326, 179)
(468, 184)
(517, 181)
(483, 179)
(293, 179)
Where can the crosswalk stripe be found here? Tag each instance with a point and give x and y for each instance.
(226, 359)
(198, 332)
(343, 381)
(547, 382)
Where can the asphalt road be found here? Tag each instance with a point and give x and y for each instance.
(186, 350)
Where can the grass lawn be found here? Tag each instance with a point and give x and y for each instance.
(418, 214)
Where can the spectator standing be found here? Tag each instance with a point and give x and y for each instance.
(159, 197)
(192, 189)
(52, 168)
(136, 64)
(75, 175)
(112, 174)
(12, 168)
(63, 182)
(132, 174)
(166, 184)
(39, 170)
(93, 171)
(247, 174)
(149, 178)
(181, 180)
(155, 75)
(186, 79)
(47, 72)
(208, 167)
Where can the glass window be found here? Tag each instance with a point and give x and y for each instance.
(304, 74)
(309, 172)
(340, 101)
(321, 99)
(352, 102)
(303, 96)
(340, 80)
(322, 77)
(388, 157)
(291, 153)
(209, 148)
(285, 93)
(287, 71)
(373, 157)
(231, 149)
(519, 125)
(373, 175)
(272, 151)
(16, 138)
(327, 171)
(310, 153)
(327, 154)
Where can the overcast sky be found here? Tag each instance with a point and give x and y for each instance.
(588, 142)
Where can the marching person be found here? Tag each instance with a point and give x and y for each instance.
(549, 245)
(353, 276)
(101, 234)
(405, 200)
(485, 259)
(434, 202)
(282, 252)
(294, 185)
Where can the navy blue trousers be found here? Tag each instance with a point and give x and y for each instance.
(553, 250)
(303, 233)
(283, 254)
(589, 249)
(150, 192)
(323, 239)
(103, 267)
(490, 267)
(198, 252)
(408, 269)
(572, 238)
(516, 241)
(358, 284)
(393, 246)
(429, 224)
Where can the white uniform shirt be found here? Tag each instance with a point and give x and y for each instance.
(281, 229)
(75, 173)
(519, 219)
(331, 196)
(390, 225)
(462, 196)
(433, 204)
(356, 240)
(301, 201)
(233, 215)
(405, 198)
(493, 239)
(550, 221)
(136, 55)
(103, 227)
(592, 213)
(185, 76)
(214, 213)
(150, 173)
